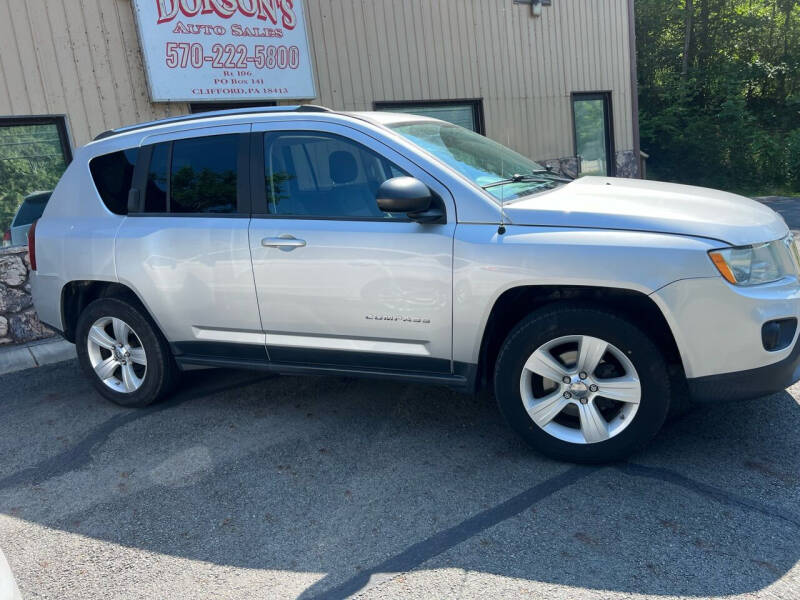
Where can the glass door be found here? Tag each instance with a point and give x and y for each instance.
(594, 134)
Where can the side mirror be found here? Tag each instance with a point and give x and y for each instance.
(411, 196)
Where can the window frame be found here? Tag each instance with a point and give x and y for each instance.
(475, 103)
(198, 108)
(60, 121)
(142, 170)
(258, 177)
(605, 96)
(64, 143)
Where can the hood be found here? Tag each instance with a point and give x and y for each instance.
(636, 205)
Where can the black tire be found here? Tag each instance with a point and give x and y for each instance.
(161, 372)
(680, 402)
(554, 322)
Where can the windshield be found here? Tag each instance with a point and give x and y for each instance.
(503, 173)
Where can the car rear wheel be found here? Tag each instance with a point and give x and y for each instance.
(124, 355)
(582, 384)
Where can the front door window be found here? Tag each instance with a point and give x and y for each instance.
(314, 174)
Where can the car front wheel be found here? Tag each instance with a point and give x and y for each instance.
(582, 384)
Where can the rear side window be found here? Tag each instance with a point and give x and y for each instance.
(112, 175)
(196, 175)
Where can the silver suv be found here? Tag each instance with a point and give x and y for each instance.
(301, 240)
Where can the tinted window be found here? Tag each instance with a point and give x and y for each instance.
(31, 209)
(203, 175)
(155, 198)
(112, 175)
(324, 175)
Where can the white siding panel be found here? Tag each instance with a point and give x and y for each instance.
(45, 54)
(78, 43)
(118, 65)
(24, 38)
(12, 64)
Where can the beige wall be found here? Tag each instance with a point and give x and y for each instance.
(82, 58)
(75, 57)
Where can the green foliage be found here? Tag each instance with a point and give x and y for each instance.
(727, 114)
(8, 208)
(203, 190)
(793, 158)
(30, 160)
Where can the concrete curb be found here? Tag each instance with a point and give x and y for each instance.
(35, 354)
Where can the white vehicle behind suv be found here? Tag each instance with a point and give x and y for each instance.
(301, 240)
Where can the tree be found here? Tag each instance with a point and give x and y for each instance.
(687, 43)
(719, 84)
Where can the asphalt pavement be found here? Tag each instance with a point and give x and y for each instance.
(249, 486)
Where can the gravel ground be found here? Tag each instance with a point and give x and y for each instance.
(245, 486)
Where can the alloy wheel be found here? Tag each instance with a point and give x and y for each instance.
(117, 355)
(580, 389)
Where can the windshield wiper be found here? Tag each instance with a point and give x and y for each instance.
(535, 177)
(554, 176)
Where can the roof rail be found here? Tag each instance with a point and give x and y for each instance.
(311, 108)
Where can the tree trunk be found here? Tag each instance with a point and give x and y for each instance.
(703, 41)
(788, 6)
(687, 44)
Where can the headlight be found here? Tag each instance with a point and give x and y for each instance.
(761, 263)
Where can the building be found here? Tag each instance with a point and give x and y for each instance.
(555, 82)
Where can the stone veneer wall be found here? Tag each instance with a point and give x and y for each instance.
(627, 164)
(18, 320)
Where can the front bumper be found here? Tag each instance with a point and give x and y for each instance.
(718, 330)
(752, 383)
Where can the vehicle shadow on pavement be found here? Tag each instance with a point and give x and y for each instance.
(350, 483)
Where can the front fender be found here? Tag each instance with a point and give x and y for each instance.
(488, 264)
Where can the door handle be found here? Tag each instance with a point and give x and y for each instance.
(284, 241)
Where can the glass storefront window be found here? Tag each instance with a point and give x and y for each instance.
(34, 151)
(464, 113)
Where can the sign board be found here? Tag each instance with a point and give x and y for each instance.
(224, 50)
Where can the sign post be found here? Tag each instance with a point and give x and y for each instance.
(225, 50)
